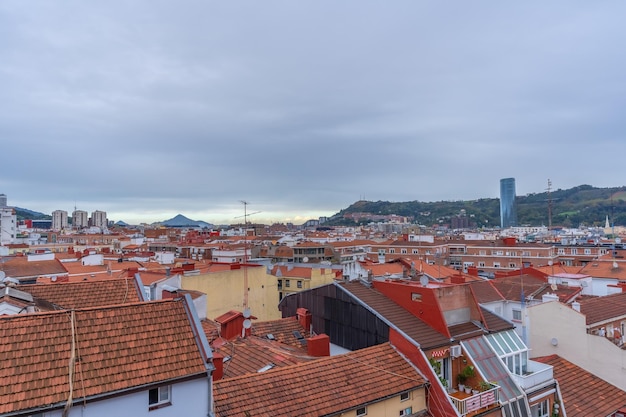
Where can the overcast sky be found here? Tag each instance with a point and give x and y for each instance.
(147, 109)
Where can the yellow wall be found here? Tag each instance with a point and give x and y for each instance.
(317, 279)
(391, 407)
(225, 292)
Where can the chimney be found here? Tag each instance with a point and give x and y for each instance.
(457, 279)
(304, 318)
(549, 297)
(218, 363)
(472, 270)
(318, 345)
(576, 306)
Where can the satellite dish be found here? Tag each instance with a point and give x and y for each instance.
(246, 312)
(247, 323)
(424, 280)
(53, 278)
(305, 259)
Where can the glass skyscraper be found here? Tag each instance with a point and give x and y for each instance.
(508, 209)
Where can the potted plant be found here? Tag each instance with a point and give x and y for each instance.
(484, 386)
(463, 376)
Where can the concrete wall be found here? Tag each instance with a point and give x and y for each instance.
(595, 354)
(225, 292)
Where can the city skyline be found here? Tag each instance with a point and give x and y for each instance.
(302, 109)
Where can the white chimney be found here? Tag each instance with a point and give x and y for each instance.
(549, 297)
(576, 306)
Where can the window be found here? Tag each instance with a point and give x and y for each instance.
(496, 264)
(299, 284)
(280, 284)
(407, 411)
(574, 251)
(416, 251)
(512, 265)
(482, 252)
(361, 411)
(541, 409)
(405, 396)
(517, 315)
(526, 253)
(481, 264)
(403, 251)
(392, 251)
(287, 283)
(416, 297)
(159, 397)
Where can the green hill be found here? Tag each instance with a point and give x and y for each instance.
(582, 205)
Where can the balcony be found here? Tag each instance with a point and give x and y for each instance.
(536, 374)
(471, 404)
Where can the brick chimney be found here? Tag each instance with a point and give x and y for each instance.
(318, 345)
(457, 279)
(304, 318)
(218, 363)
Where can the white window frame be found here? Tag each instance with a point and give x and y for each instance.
(164, 396)
(405, 396)
(541, 409)
(361, 411)
(406, 412)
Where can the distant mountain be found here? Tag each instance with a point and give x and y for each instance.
(181, 221)
(581, 205)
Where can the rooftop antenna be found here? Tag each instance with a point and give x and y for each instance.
(549, 189)
(245, 251)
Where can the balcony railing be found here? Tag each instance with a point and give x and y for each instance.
(536, 373)
(467, 403)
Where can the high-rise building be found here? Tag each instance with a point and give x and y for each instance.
(508, 209)
(80, 219)
(99, 219)
(59, 220)
(8, 225)
(3, 200)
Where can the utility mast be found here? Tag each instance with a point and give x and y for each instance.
(245, 251)
(549, 189)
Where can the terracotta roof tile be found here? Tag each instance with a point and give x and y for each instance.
(599, 309)
(247, 356)
(282, 330)
(118, 348)
(328, 385)
(73, 295)
(20, 268)
(584, 394)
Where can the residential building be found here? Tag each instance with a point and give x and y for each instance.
(125, 360)
(99, 219)
(578, 388)
(80, 219)
(508, 207)
(377, 381)
(3, 200)
(8, 225)
(299, 277)
(59, 220)
(444, 331)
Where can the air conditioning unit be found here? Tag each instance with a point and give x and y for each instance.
(455, 351)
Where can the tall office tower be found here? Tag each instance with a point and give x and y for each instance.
(3, 200)
(59, 220)
(79, 219)
(508, 209)
(99, 219)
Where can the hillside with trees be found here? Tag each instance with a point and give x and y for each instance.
(583, 205)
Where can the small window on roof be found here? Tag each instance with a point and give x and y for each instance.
(361, 411)
(416, 296)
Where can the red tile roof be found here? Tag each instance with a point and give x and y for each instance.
(599, 309)
(72, 295)
(326, 386)
(413, 327)
(282, 330)
(19, 267)
(247, 356)
(584, 394)
(118, 348)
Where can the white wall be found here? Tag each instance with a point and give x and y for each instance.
(189, 398)
(595, 354)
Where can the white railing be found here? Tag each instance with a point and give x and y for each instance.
(536, 373)
(481, 400)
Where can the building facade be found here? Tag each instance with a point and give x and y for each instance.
(508, 209)
(99, 219)
(80, 219)
(59, 220)
(8, 225)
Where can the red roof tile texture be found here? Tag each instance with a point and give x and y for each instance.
(326, 386)
(119, 348)
(73, 295)
(584, 394)
(599, 309)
